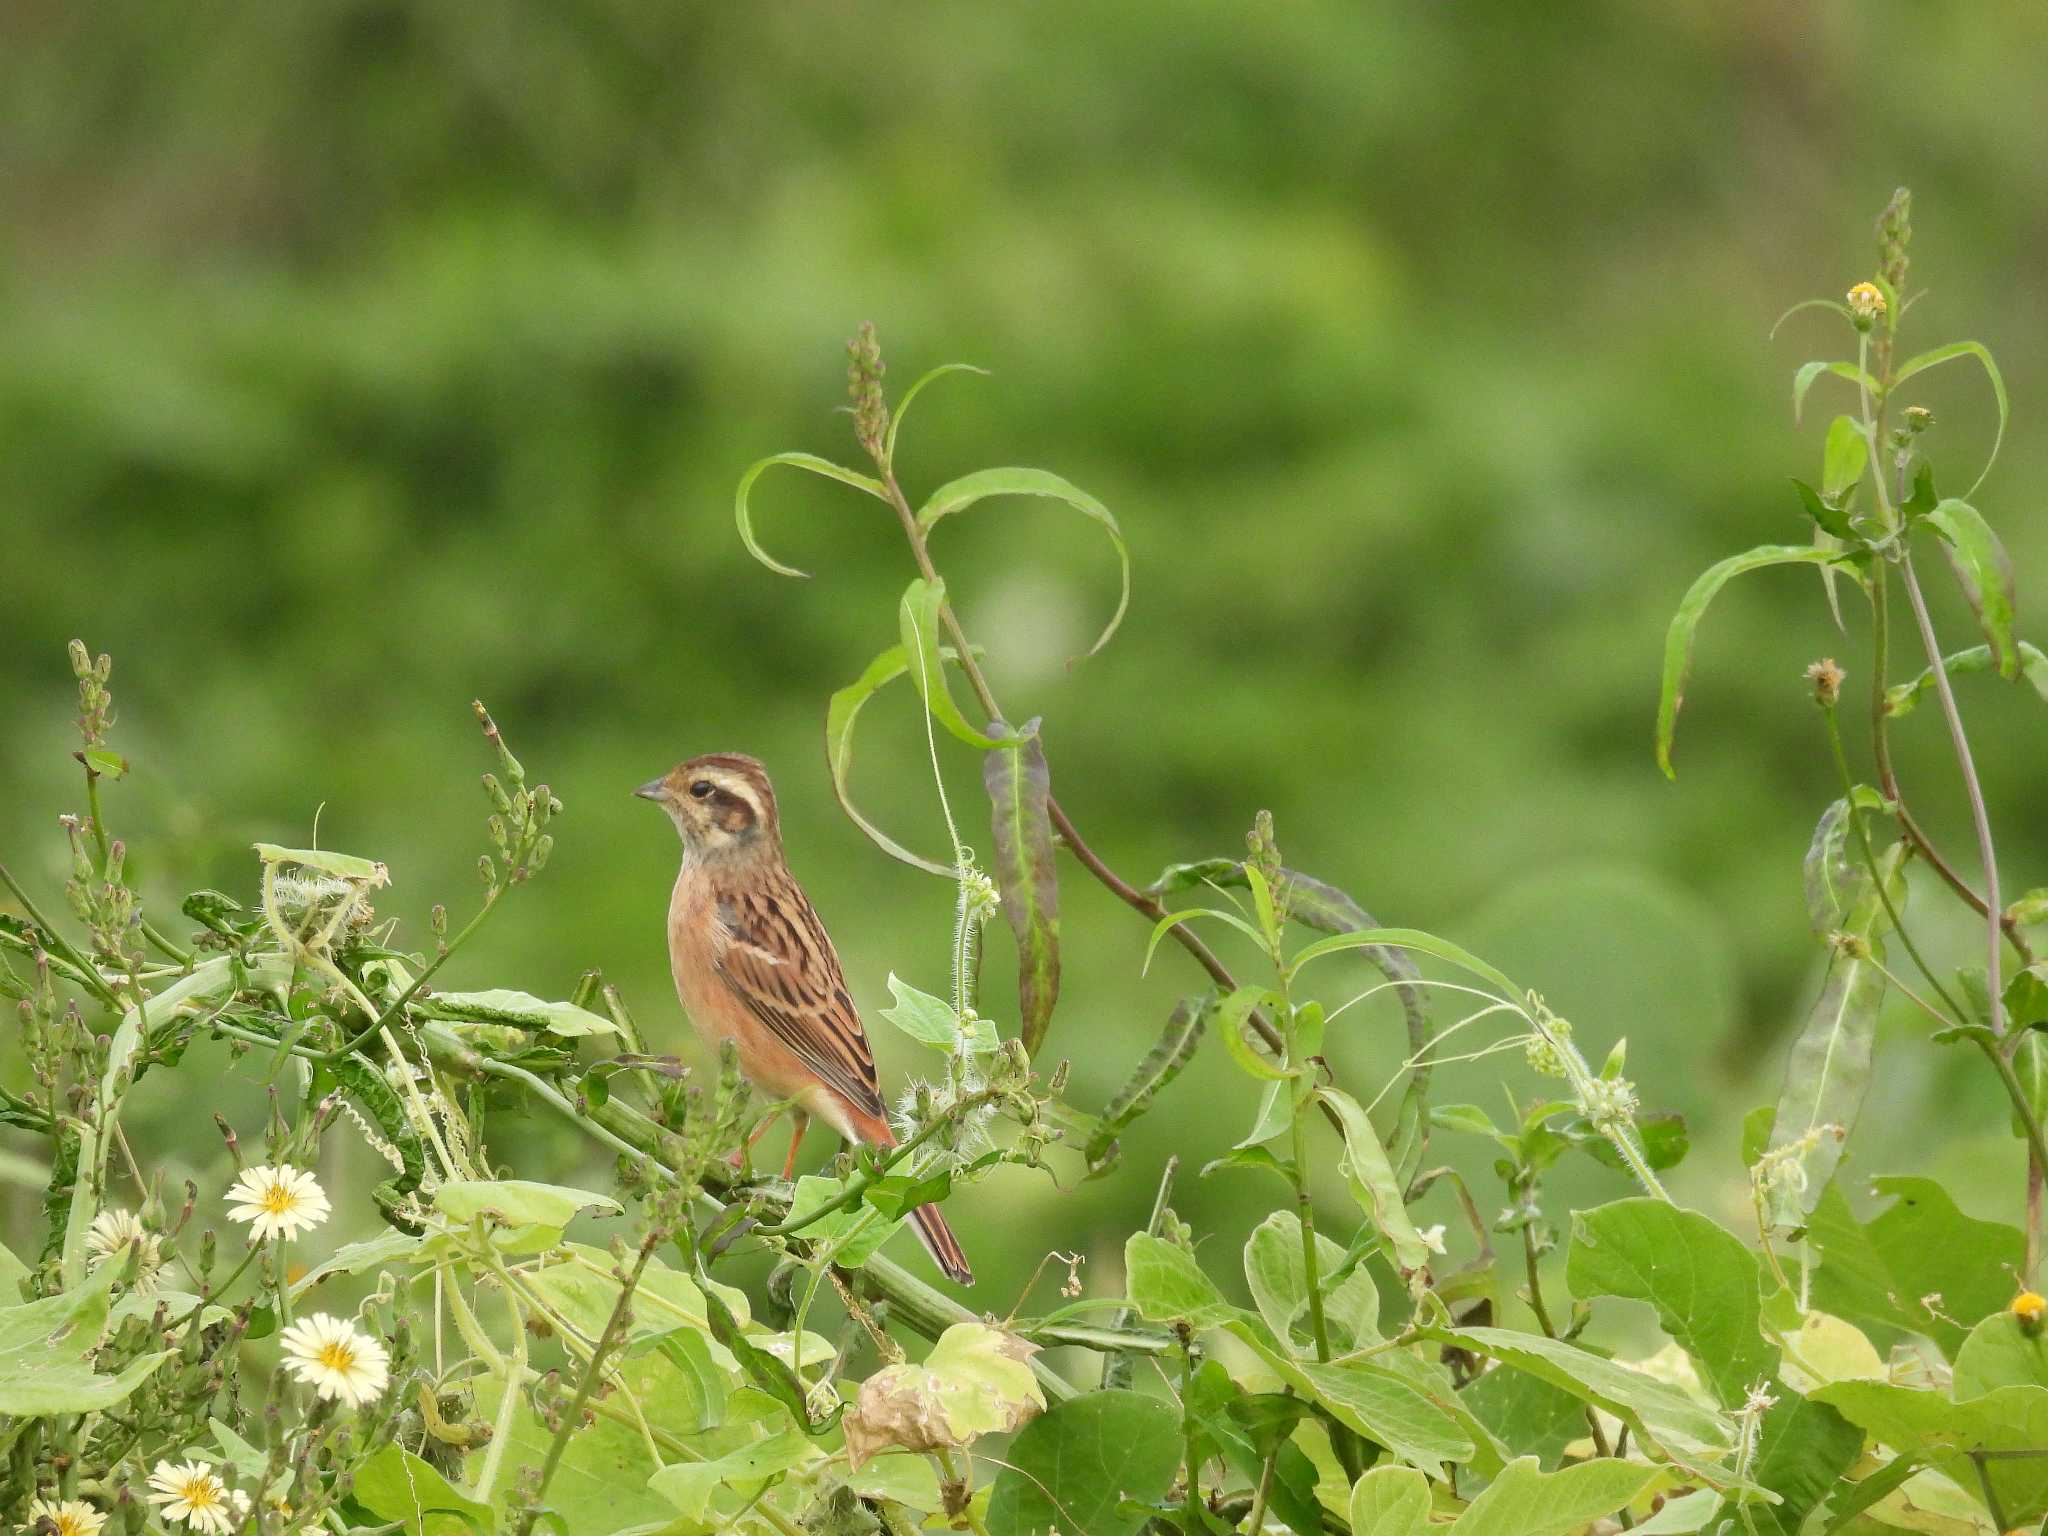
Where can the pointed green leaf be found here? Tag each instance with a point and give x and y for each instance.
(958, 495)
(1843, 460)
(1019, 788)
(1371, 1177)
(933, 1021)
(1803, 1449)
(1526, 1501)
(807, 461)
(1679, 641)
(1700, 1278)
(1273, 1269)
(1928, 1425)
(1900, 698)
(1828, 516)
(1173, 1050)
(918, 616)
(840, 715)
(1984, 571)
(910, 394)
(1166, 1285)
(1953, 350)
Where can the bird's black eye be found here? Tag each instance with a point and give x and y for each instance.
(701, 790)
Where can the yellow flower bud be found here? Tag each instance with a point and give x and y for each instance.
(1866, 303)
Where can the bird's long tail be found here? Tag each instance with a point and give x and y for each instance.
(929, 1222)
(940, 1243)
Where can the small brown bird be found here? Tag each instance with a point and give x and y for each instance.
(753, 965)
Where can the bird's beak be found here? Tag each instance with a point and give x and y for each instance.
(653, 789)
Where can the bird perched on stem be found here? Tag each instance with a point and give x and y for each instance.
(754, 965)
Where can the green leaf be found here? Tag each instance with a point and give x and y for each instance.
(1247, 1430)
(853, 1232)
(1279, 1286)
(1700, 1278)
(396, 1485)
(2001, 1353)
(765, 1371)
(1984, 571)
(1407, 938)
(808, 461)
(898, 1195)
(1828, 515)
(1527, 1414)
(1803, 1449)
(110, 765)
(958, 495)
(1661, 1136)
(918, 618)
(518, 1202)
(340, 865)
(1375, 1401)
(840, 714)
(1875, 1274)
(932, 1020)
(45, 1346)
(1390, 1501)
(1844, 459)
(501, 1006)
(1166, 1285)
(1019, 788)
(746, 1469)
(1527, 1501)
(1803, 380)
(1957, 349)
(1231, 1015)
(1900, 698)
(1169, 1055)
(1828, 1069)
(1371, 1177)
(910, 394)
(1679, 641)
(1932, 1427)
(1647, 1406)
(1072, 1469)
(1836, 880)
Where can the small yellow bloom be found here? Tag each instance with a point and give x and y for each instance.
(2029, 1307)
(337, 1359)
(73, 1517)
(113, 1231)
(194, 1494)
(1866, 301)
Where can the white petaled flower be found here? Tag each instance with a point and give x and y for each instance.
(111, 1233)
(193, 1494)
(73, 1517)
(337, 1359)
(281, 1200)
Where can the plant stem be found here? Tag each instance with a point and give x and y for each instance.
(1870, 861)
(614, 1327)
(1550, 1329)
(87, 975)
(1986, 853)
(1258, 1516)
(1188, 1434)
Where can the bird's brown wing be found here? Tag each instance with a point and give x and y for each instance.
(780, 966)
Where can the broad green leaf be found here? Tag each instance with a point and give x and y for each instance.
(1875, 1274)
(1932, 1427)
(1955, 349)
(1527, 1414)
(45, 1346)
(689, 1485)
(858, 1230)
(1828, 1069)
(1679, 641)
(396, 1485)
(910, 394)
(1390, 1501)
(1371, 1177)
(2000, 1353)
(1072, 1470)
(918, 618)
(1527, 1501)
(1845, 458)
(840, 714)
(1019, 789)
(340, 865)
(1375, 1401)
(1170, 1053)
(518, 1202)
(932, 1020)
(1803, 1449)
(807, 461)
(501, 1006)
(1984, 571)
(1700, 1277)
(1166, 1285)
(1828, 1348)
(1279, 1286)
(1900, 698)
(958, 495)
(1648, 1406)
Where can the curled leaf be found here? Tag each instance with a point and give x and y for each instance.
(840, 714)
(918, 615)
(816, 466)
(1984, 571)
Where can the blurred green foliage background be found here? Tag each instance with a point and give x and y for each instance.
(358, 358)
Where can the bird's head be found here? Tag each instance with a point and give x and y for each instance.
(721, 803)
